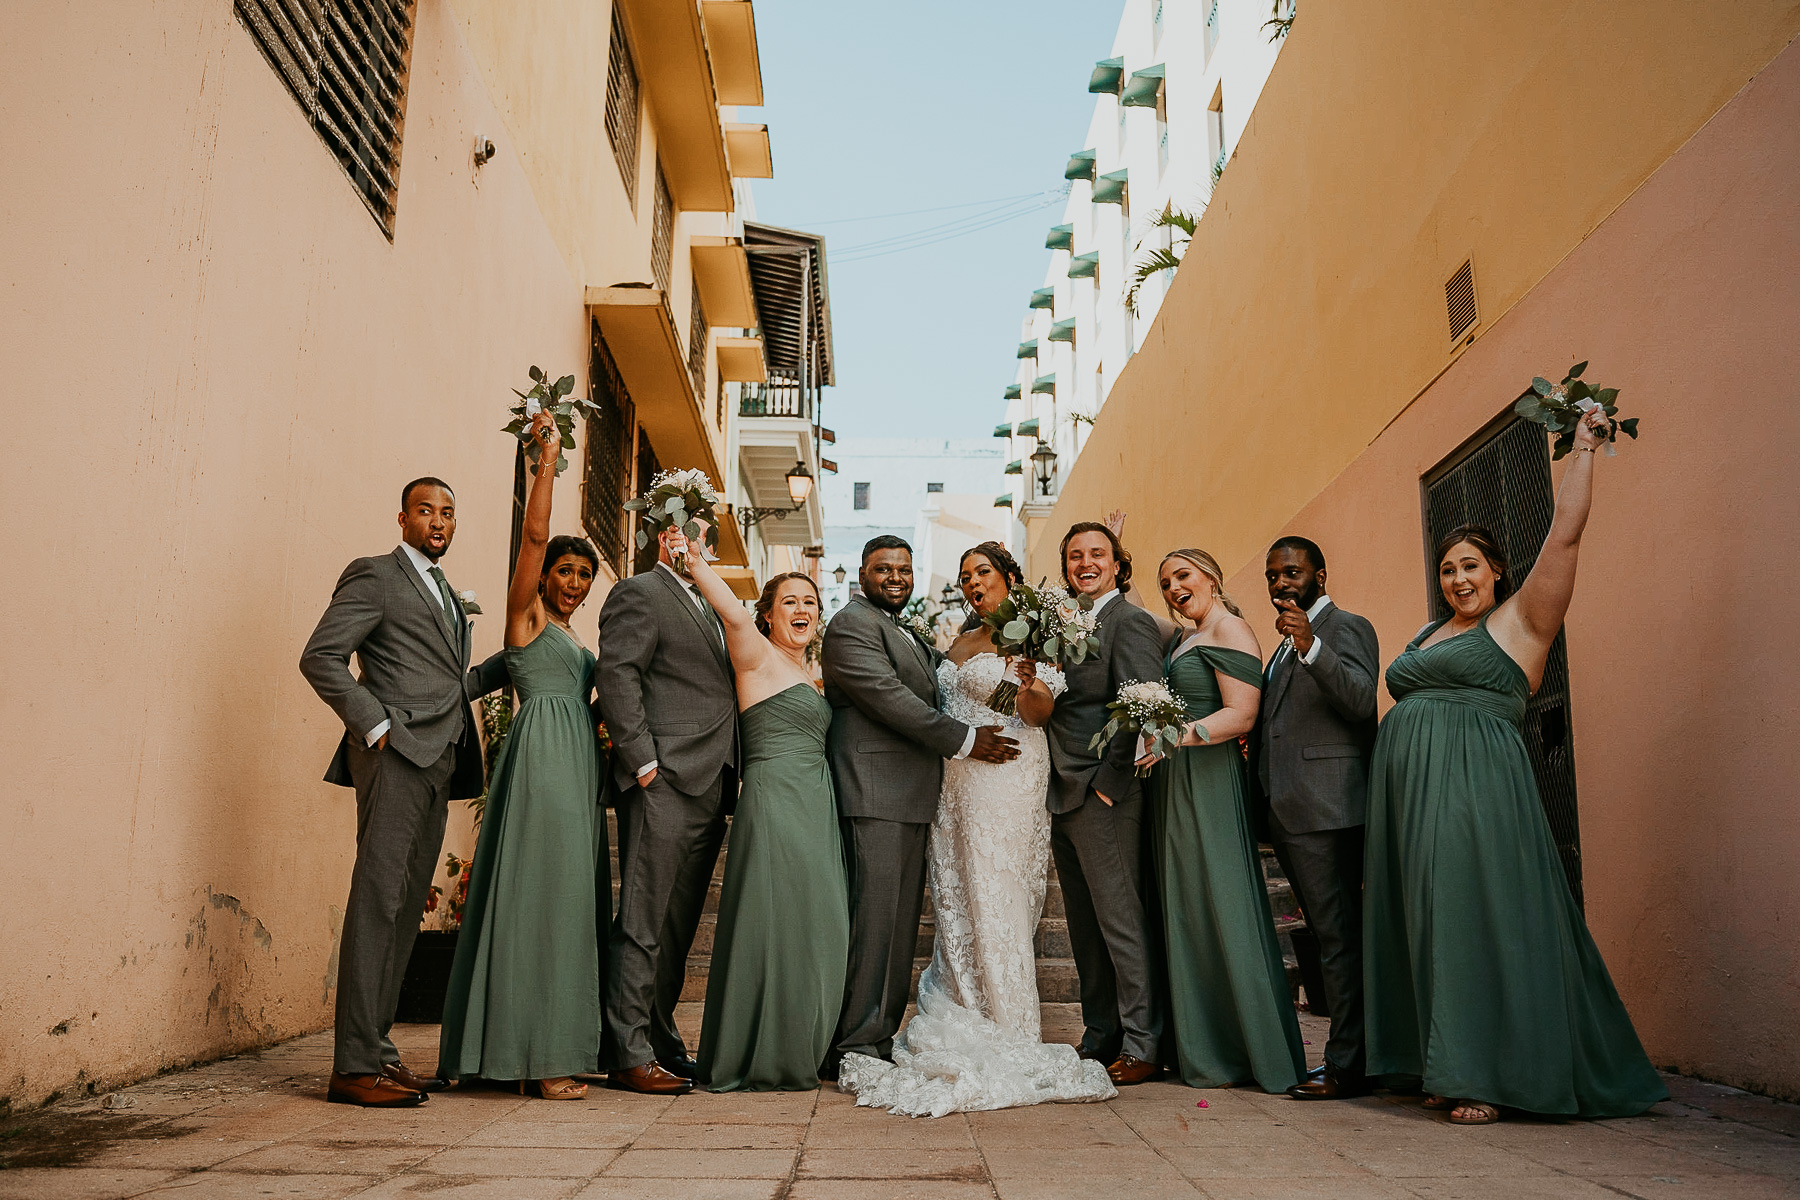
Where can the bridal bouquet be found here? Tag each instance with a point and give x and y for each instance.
(1560, 407)
(1150, 710)
(1043, 624)
(675, 498)
(556, 398)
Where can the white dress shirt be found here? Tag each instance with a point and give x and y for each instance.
(423, 566)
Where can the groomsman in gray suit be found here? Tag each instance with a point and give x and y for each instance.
(410, 746)
(888, 743)
(1313, 741)
(1097, 817)
(669, 699)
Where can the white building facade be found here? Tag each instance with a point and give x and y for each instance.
(1171, 101)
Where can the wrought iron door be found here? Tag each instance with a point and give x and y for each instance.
(1502, 480)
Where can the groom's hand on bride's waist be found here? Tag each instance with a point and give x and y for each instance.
(993, 746)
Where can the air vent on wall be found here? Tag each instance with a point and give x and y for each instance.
(1459, 300)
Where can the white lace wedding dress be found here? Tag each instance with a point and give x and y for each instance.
(973, 1044)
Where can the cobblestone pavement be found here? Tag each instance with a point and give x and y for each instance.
(258, 1125)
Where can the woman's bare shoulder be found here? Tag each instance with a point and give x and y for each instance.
(1235, 633)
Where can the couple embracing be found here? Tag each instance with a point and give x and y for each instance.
(933, 783)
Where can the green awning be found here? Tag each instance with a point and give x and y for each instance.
(1081, 166)
(1062, 237)
(1012, 391)
(1016, 467)
(1028, 428)
(1107, 76)
(1003, 430)
(1110, 188)
(1028, 349)
(1085, 266)
(1144, 88)
(1044, 385)
(1044, 298)
(1063, 331)
(1003, 501)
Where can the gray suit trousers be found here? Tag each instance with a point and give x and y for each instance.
(668, 845)
(1099, 859)
(401, 810)
(1326, 869)
(887, 893)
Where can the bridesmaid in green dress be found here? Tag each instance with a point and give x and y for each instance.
(524, 996)
(783, 941)
(1480, 972)
(1230, 1010)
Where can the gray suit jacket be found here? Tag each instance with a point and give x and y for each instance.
(1130, 649)
(415, 669)
(888, 740)
(1317, 728)
(666, 688)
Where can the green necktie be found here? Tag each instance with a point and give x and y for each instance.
(450, 605)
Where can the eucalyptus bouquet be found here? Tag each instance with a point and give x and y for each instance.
(558, 400)
(1150, 710)
(675, 498)
(1560, 407)
(1044, 624)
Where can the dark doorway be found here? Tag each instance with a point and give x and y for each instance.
(1501, 479)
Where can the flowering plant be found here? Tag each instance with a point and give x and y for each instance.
(1150, 710)
(675, 498)
(556, 399)
(1560, 407)
(1044, 624)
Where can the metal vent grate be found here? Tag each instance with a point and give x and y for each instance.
(1459, 300)
(608, 467)
(1504, 484)
(346, 62)
(622, 106)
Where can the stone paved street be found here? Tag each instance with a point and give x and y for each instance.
(257, 1125)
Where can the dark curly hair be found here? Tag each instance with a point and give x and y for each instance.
(1483, 539)
(765, 603)
(564, 544)
(1003, 562)
(1120, 554)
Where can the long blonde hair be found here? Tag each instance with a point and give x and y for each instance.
(1209, 566)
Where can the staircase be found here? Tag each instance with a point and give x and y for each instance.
(1058, 982)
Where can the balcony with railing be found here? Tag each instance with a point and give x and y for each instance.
(783, 395)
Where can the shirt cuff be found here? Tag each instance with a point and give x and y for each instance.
(968, 743)
(375, 735)
(646, 768)
(1312, 655)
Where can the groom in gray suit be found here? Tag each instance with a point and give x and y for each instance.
(888, 743)
(410, 746)
(1097, 817)
(1313, 740)
(669, 699)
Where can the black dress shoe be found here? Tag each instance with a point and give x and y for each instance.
(1332, 1087)
(684, 1066)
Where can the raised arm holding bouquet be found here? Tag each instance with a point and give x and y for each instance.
(674, 501)
(1560, 407)
(1039, 625)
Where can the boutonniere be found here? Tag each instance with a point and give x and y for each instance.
(920, 628)
(468, 603)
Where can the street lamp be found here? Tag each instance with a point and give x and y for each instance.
(1044, 459)
(799, 486)
(838, 575)
(948, 596)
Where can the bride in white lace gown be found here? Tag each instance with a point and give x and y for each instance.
(974, 1042)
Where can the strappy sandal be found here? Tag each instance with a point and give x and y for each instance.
(557, 1089)
(1439, 1103)
(1488, 1114)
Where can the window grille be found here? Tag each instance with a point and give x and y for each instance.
(697, 347)
(622, 106)
(346, 62)
(859, 496)
(647, 469)
(662, 231)
(608, 459)
(1503, 482)
(934, 487)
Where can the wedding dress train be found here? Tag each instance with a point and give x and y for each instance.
(974, 1043)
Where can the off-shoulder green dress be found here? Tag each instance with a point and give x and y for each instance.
(783, 942)
(1230, 1009)
(1480, 974)
(524, 996)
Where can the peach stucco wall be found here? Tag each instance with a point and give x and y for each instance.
(218, 373)
(1660, 240)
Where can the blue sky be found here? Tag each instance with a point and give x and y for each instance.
(889, 108)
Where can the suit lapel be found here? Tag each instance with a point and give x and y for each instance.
(890, 632)
(687, 605)
(1284, 674)
(434, 607)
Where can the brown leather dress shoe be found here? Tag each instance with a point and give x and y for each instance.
(649, 1079)
(685, 1066)
(1331, 1087)
(406, 1078)
(1128, 1069)
(371, 1091)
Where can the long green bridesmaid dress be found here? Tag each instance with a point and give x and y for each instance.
(1230, 1008)
(783, 941)
(1480, 973)
(524, 997)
